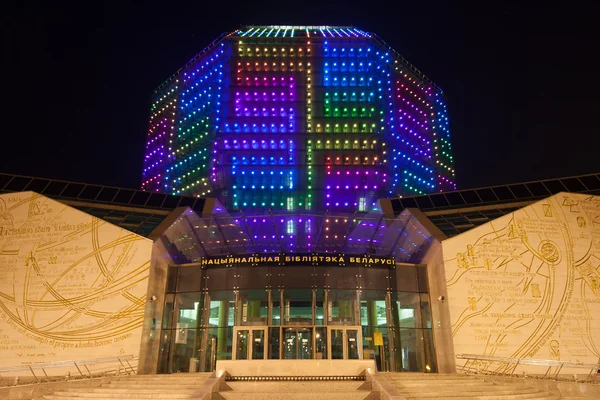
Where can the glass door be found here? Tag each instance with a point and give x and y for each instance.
(250, 344)
(297, 343)
(344, 342)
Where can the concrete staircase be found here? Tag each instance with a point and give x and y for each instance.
(296, 390)
(454, 386)
(176, 386)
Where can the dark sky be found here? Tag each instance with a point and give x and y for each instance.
(521, 80)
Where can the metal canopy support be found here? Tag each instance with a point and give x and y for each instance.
(196, 236)
(248, 232)
(225, 241)
(399, 236)
(371, 245)
(348, 232)
(321, 228)
(276, 233)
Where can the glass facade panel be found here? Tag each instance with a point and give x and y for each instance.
(184, 355)
(374, 278)
(302, 277)
(305, 343)
(290, 343)
(164, 352)
(198, 326)
(189, 310)
(425, 311)
(406, 279)
(189, 279)
(220, 278)
(319, 307)
(352, 344)
(168, 311)
(297, 343)
(320, 343)
(429, 351)
(342, 278)
(222, 309)
(208, 357)
(171, 279)
(253, 307)
(253, 277)
(337, 344)
(406, 310)
(298, 307)
(222, 340)
(410, 350)
(422, 278)
(370, 351)
(341, 307)
(373, 308)
(274, 343)
(258, 344)
(276, 307)
(241, 348)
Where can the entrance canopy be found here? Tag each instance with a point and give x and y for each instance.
(219, 233)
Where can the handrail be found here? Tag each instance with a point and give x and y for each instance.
(123, 362)
(528, 361)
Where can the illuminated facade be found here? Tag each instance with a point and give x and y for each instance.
(300, 134)
(298, 119)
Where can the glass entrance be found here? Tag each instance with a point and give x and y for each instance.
(250, 344)
(344, 342)
(297, 343)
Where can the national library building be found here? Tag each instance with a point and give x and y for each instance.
(298, 202)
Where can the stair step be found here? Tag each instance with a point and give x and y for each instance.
(534, 396)
(481, 392)
(151, 386)
(356, 395)
(130, 395)
(441, 384)
(168, 377)
(440, 378)
(411, 375)
(285, 386)
(125, 390)
(168, 381)
(472, 391)
(61, 397)
(454, 387)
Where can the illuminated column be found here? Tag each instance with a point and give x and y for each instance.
(309, 128)
(162, 123)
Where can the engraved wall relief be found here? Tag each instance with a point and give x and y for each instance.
(528, 284)
(72, 286)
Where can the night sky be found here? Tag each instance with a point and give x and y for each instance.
(521, 81)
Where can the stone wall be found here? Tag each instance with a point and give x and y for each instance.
(72, 286)
(527, 284)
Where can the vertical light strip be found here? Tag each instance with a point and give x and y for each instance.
(309, 112)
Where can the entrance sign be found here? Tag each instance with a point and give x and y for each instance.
(297, 259)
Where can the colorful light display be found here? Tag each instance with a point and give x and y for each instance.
(298, 119)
